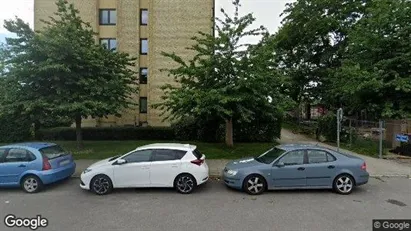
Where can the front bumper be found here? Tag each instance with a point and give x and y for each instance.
(232, 181)
(85, 181)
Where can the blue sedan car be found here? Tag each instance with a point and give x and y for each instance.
(33, 165)
(297, 166)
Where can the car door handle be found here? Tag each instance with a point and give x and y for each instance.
(300, 169)
(22, 166)
(174, 166)
(145, 167)
(331, 166)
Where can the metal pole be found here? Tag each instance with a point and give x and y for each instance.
(381, 137)
(339, 119)
(350, 134)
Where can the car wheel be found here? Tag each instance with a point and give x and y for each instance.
(185, 183)
(101, 185)
(343, 184)
(254, 184)
(31, 184)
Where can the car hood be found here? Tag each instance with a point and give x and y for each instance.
(242, 163)
(100, 163)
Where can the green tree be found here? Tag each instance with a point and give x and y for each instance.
(62, 71)
(226, 79)
(376, 73)
(311, 42)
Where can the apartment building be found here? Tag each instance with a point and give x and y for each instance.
(143, 28)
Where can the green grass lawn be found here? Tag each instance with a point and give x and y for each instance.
(105, 149)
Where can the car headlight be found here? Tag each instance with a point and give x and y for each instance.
(232, 172)
(87, 170)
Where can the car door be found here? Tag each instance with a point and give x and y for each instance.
(165, 166)
(289, 170)
(14, 163)
(320, 169)
(135, 172)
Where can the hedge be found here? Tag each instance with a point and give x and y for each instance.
(109, 133)
(14, 128)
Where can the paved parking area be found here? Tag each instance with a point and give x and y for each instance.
(212, 207)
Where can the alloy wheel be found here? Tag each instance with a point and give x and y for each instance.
(185, 184)
(344, 184)
(101, 185)
(255, 185)
(30, 184)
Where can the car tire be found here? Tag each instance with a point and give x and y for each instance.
(185, 183)
(254, 184)
(31, 184)
(343, 184)
(101, 185)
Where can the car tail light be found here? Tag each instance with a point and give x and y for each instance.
(364, 166)
(46, 164)
(198, 162)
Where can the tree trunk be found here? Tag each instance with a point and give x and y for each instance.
(229, 132)
(308, 111)
(79, 136)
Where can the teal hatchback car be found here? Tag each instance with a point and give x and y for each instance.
(33, 165)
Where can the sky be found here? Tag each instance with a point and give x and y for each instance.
(267, 12)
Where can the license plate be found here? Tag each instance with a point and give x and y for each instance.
(64, 162)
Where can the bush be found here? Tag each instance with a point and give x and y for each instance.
(109, 133)
(213, 130)
(327, 127)
(14, 128)
(257, 130)
(189, 128)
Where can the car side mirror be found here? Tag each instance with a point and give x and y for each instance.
(280, 164)
(121, 161)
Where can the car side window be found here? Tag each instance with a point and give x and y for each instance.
(18, 155)
(316, 156)
(2, 153)
(330, 157)
(293, 158)
(167, 154)
(139, 156)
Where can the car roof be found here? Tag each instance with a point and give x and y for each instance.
(291, 147)
(178, 146)
(35, 145)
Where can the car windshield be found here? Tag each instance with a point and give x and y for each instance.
(114, 157)
(52, 152)
(269, 156)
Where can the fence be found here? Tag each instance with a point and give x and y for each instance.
(376, 138)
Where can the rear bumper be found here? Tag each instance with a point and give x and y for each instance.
(54, 175)
(201, 175)
(362, 179)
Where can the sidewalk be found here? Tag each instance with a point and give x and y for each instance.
(376, 167)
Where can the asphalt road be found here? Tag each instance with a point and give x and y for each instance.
(211, 207)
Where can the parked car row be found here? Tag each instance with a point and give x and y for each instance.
(183, 167)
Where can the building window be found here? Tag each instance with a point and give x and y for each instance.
(143, 46)
(109, 43)
(143, 17)
(143, 75)
(143, 104)
(108, 17)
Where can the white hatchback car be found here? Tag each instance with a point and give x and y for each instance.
(181, 166)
